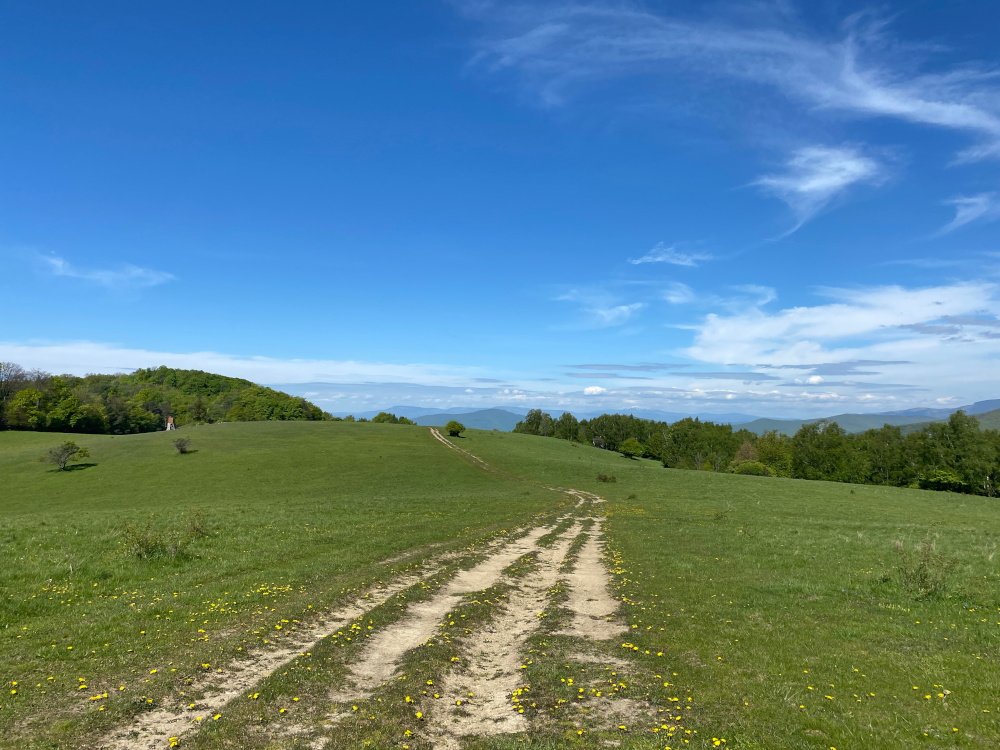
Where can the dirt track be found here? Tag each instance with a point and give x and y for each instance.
(492, 655)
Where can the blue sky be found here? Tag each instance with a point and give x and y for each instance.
(776, 208)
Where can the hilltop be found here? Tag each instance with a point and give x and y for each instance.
(140, 401)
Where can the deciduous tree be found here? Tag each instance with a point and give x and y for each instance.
(63, 455)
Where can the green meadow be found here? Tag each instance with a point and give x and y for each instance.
(277, 519)
(782, 613)
(798, 614)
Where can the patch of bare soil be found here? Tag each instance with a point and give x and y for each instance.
(153, 730)
(589, 599)
(477, 695)
(379, 660)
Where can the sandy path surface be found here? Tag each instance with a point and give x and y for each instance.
(493, 656)
(589, 597)
(154, 729)
(378, 662)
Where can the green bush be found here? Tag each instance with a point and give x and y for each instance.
(149, 541)
(630, 448)
(751, 468)
(943, 480)
(63, 454)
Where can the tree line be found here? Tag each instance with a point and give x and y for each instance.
(955, 455)
(140, 401)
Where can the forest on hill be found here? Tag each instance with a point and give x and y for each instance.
(956, 455)
(140, 401)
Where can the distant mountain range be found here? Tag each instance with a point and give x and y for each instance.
(484, 419)
(507, 417)
(988, 413)
(415, 412)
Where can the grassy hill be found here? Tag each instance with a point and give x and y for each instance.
(798, 614)
(989, 420)
(781, 613)
(286, 517)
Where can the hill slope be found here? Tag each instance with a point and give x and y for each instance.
(719, 580)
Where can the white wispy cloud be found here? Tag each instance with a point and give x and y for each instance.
(81, 357)
(124, 277)
(594, 390)
(866, 324)
(678, 293)
(563, 46)
(601, 307)
(664, 254)
(815, 175)
(615, 316)
(984, 206)
(742, 296)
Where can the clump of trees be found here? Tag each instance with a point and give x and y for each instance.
(384, 417)
(139, 401)
(455, 428)
(955, 455)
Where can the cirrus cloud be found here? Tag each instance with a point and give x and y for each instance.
(124, 277)
(815, 175)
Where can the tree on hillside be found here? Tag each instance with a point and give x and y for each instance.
(630, 448)
(64, 454)
(567, 427)
(384, 417)
(455, 428)
(886, 458)
(13, 377)
(25, 411)
(535, 422)
(775, 451)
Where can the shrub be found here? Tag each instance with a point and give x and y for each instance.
(606, 478)
(943, 480)
(63, 454)
(454, 428)
(751, 468)
(183, 445)
(149, 541)
(631, 448)
(925, 572)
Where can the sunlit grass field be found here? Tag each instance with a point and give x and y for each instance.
(275, 520)
(792, 614)
(797, 614)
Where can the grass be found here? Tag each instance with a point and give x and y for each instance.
(145, 565)
(798, 614)
(792, 614)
